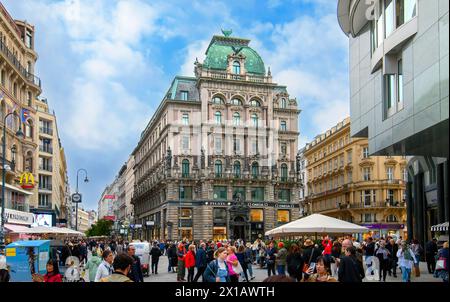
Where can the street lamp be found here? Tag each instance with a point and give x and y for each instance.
(76, 205)
(19, 135)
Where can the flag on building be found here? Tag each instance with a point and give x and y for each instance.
(25, 115)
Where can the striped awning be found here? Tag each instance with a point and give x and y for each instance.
(440, 227)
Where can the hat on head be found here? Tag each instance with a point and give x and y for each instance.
(308, 242)
(280, 245)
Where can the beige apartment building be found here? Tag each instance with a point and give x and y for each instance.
(218, 158)
(19, 89)
(83, 220)
(52, 167)
(344, 182)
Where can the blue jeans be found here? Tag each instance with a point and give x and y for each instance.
(250, 269)
(281, 269)
(406, 274)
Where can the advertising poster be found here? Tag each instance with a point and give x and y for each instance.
(43, 220)
(23, 263)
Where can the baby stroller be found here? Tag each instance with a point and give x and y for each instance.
(75, 271)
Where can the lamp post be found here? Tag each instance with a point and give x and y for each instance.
(76, 206)
(19, 135)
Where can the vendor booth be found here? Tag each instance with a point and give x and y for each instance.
(27, 258)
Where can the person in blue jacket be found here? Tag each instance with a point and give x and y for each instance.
(217, 270)
(200, 261)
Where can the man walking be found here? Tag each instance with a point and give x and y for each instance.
(155, 252)
(200, 261)
(431, 251)
(135, 273)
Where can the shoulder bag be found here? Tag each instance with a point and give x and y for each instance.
(306, 265)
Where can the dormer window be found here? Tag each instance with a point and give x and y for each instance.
(236, 67)
(283, 103)
(184, 95)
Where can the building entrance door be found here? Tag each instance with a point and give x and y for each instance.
(239, 232)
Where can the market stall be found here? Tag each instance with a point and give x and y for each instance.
(316, 224)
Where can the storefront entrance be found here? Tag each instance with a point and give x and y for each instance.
(239, 228)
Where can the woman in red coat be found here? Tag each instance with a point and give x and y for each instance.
(52, 274)
(189, 261)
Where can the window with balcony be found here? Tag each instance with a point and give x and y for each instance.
(390, 173)
(283, 126)
(236, 119)
(218, 117)
(254, 118)
(390, 196)
(236, 67)
(237, 169)
(218, 168)
(366, 174)
(185, 119)
(255, 170)
(284, 172)
(185, 168)
(220, 193)
(365, 152)
(257, 194)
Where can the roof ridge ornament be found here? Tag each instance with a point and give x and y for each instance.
(227, 32)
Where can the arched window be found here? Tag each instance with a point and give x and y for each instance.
(185, 119)
(283, 103)
(218, 100)
(254, 118)
(237, 169)
(185, 168)
(218, 117)
(284, 172)
(218, 168)
(236, 102)
(236, 67)
(255, 170)
(283, 126)
(236, 119)
(255, 103)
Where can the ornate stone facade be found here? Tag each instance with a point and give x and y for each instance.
(227, 132)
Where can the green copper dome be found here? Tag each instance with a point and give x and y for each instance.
(222, 46)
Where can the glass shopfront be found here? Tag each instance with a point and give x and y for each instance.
(256, 224)
(283, 216)
(219, 233)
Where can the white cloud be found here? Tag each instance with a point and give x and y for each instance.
(196, 50)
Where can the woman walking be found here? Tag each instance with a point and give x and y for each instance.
(181, 252)
(294, 262)
(189, 262)
(249, 259)
(234, 268)
(217, 270)
(406, 260)
(382, 253)
(242, 261)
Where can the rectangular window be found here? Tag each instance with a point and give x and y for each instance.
(405, 11)
(219, 214)
(184, 95)
(283, 216)
(390, 196)
(366, 174)
(256, 215)
(185, 143)
(367, 217)
(185, 193)
(349, 177)
(400, 85)
(257, 194)
(283, 148)
(220, 193)
(28, 39)
(405, 174)
(349, 157)
(366, 152)
(218, 145)
(284, 195)
(237, 145)
(390, 173)
(254, 146)
(389, 94)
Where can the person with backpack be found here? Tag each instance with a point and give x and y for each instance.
(217, 270)
(350, 268)
(406, 260)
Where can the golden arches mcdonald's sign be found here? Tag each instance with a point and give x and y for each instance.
(27, 180)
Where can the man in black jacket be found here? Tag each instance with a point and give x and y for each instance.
(210, 253)
(200, 261)
(135, 273)
(431, 251)
(350, 268)
(155, 252)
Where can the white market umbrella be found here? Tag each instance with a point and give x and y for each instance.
(316, 223)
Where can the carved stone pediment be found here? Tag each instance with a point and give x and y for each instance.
(218, 107)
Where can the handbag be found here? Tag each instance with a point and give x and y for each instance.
(417, 271)
(238, 268)
(306, 265)
(441, 264)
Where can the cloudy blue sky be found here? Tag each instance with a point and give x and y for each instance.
(105, 65)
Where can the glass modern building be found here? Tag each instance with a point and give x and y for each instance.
(399, 62)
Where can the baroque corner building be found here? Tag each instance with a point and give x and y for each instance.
(218, 158)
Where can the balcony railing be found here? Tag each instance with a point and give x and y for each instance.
(48, 168)
(31, 78)
(46, 149)
(46, 205)
(377, 204)
(45, 187)
(46, 130)
(239, 77)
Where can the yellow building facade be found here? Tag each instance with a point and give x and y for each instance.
(346, 183)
